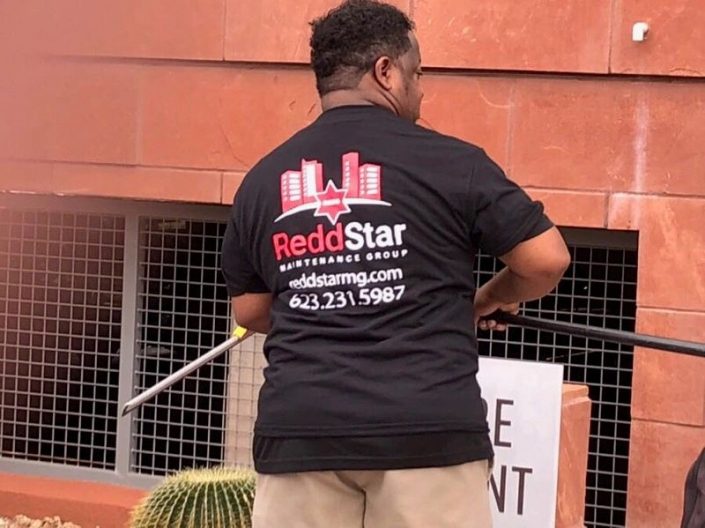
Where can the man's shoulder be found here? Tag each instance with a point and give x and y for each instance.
(270, 165)
(447, 140)
(281, 154)
(447, 145)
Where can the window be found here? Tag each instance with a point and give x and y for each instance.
(101, 299)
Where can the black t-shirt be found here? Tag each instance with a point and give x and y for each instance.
(364, 227)
(401, 451)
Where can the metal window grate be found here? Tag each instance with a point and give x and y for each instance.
(246, 377)
(183, 312)
(61, 304)
(599, 289)
(60, 314)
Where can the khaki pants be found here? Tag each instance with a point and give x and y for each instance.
(446, 497)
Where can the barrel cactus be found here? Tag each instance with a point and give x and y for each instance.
(199, 498)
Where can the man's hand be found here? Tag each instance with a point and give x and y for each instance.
(533, 268)
(485, 305)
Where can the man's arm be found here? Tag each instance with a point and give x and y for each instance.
(252, 310)
(533, 268)
(250, 295)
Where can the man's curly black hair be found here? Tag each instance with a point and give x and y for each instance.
(348, 40)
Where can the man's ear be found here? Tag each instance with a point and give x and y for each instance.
(383, 72)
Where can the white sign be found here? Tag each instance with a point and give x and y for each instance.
(524, 415)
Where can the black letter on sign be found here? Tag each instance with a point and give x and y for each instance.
(498, 423)
(500, 495)
(520, 501)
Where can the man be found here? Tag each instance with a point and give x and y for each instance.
(352, 246)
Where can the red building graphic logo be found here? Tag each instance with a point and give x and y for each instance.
(300, 188)
(303, 190)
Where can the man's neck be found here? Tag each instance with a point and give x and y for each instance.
(353, 98)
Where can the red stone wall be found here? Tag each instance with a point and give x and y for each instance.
(175, 99)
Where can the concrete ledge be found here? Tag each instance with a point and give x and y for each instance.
(573, 457)
(87, 504)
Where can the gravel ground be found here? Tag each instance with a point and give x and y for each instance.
(20, 521)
